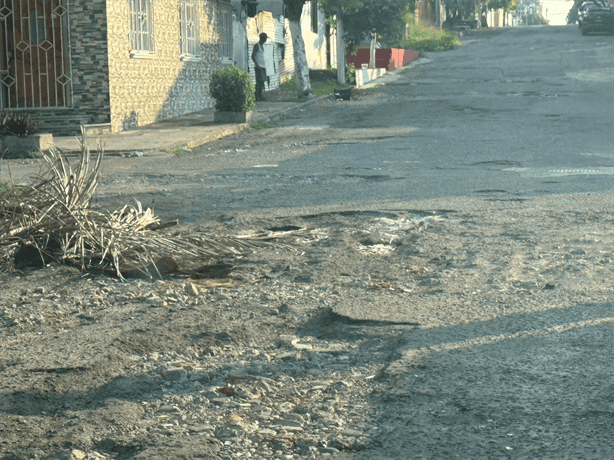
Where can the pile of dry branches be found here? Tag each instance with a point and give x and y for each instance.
(53, 219)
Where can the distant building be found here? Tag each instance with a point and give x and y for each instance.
(127, 63)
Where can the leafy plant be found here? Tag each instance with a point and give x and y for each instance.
(182, 148)
(17, 125)
(507, 5)
(8, 190)
(233, 90)
(542, 19)
(361, 18)
(350, 74)
(422, 38)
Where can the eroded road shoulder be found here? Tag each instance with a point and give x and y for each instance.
(448, 329)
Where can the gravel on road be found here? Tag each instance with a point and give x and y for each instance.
(443, 329)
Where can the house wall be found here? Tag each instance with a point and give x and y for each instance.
(279, 44)
(315, 43)
(89, 63)
(143, 91)
(494, 17)
(239, 42)
(267, 23)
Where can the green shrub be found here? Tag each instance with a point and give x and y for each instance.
(8, 191)
(233, 90)
(350, 74)
(290, 83)
(422, 38)
(542, 19)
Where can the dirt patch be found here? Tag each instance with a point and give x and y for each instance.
(309, 338)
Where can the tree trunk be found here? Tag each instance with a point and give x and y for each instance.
(372, 51)
(301, 67)
(340, 51)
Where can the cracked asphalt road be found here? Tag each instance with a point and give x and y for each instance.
(506, 145)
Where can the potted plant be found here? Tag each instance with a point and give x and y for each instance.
(234, 94)
(18, 138)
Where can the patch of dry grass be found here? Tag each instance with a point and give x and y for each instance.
(54, 218)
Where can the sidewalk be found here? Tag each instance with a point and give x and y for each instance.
(191, 130)
(187, 131)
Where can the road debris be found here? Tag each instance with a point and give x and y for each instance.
(52, 220)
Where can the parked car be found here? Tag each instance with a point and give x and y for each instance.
(460, 23)
(585, 7)
(598, 18)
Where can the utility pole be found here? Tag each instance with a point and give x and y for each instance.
(340, 51)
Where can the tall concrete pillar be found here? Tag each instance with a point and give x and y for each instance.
(340, 51)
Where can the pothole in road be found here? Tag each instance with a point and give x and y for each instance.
(491, 191)
(496, 163)
(532, 94)
(285, 228)
(375, 178)
(473, 110)
(559, 172)
(502, 199)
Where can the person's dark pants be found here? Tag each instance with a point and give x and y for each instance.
(260, 79)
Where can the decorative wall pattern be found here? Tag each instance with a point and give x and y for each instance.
(88, 68)
(162, 86)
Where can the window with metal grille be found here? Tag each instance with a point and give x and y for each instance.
(225, 32)
(142, 42)
(314, 16)
(189, 32)
(34, 54)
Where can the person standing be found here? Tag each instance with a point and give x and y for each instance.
(260, 66)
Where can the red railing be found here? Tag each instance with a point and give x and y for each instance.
(385, 58)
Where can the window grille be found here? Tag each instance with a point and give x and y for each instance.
(225, 31)
(142, 41)
(189, 32)
(34, 54)
(314, 16)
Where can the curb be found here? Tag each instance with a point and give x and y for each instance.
(163, 150)
(235, 129)
(394, 74)
(207, 137)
